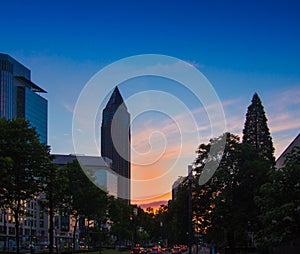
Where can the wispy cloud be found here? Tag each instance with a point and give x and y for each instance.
(291, 96)
(68, 107)
(183, 136)
(284, 122)
(174, 130)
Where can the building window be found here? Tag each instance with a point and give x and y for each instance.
(2, 230)
(11, 230)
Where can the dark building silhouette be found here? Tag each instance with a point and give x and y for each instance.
(115, 141)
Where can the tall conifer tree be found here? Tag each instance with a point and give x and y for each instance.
(256, 131)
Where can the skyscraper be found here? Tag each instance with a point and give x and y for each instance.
(115, 140)
(19, 96)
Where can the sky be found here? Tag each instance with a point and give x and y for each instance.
(241, 47)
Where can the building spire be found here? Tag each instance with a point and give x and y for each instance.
(116, 99)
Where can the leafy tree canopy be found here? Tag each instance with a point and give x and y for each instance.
(279, 201)
(24, 165)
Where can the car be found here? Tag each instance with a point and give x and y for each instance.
(176, 250)
(155, 250)
(183, 248)
(137, 250)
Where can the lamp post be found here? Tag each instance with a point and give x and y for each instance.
(135, 212)
(5, 229)
(190, 178)
(21, 233)
(161, 232)
(100, 239)
(31, 238)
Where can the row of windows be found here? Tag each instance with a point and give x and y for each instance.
(29, 223)
(22, 102)
(36, 113)
(11, 230)
(6, 94)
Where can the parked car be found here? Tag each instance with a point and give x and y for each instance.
(156, 250)
(176, 250)
(138, 250)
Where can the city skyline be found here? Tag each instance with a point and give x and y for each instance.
(241, 48)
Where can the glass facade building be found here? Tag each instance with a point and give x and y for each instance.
(19, 96)
(115, 141)
(6, 89)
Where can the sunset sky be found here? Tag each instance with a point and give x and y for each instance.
(241, 47)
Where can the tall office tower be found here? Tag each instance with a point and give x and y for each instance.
(115, 141)
(19, 96)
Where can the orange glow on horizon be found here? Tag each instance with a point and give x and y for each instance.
(161, 198)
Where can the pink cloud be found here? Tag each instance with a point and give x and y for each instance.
(283, 123)
(291, 96)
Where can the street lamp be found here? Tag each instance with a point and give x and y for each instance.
(190, 178)
(135, 213)
(21, 233)
(161, 231)
(5, 229)
(30, 220)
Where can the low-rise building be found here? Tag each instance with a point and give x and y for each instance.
(281, 159)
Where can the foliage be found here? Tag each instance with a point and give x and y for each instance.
(224, 208)
(5, 164)
(256, 131)
(215, 201)
(279, 201)
(119, 213)
(25, 165)
(76, 195)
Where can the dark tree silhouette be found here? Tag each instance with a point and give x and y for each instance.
(24, 167)
(256, 131)
(279, 202)
(224, 206)
(78, 195)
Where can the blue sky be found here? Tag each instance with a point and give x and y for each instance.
(242, 47)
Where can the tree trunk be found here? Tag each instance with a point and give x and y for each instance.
(51, 227)
(5, 229)
(16, 215)
(74, 233)
(88, 230)
(51, 212)
(231, 242)
(100, 238)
